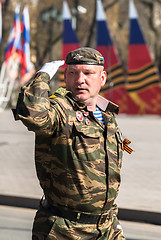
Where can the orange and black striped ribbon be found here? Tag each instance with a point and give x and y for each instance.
(126, 142)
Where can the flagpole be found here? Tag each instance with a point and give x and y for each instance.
(75, 15)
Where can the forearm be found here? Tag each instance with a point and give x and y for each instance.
(33, 106)
(35, 95)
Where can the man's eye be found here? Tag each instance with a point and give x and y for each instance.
(87, 73)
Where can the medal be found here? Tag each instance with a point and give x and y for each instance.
(86, 114)
(87, 121)
(79, 116)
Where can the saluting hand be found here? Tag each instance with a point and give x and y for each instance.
(51, 67)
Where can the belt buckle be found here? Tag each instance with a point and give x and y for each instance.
(100, 220)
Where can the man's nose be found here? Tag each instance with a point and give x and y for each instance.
(81, 78)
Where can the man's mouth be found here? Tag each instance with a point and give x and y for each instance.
(81, 89)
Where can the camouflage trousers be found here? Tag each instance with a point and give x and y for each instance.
(49, 227)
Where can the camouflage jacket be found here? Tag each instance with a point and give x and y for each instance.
(78, 158)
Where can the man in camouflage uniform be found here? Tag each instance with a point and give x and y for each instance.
(78, 157)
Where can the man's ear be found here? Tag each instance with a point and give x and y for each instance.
(103, 78)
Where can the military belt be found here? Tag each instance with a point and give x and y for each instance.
(77, 216)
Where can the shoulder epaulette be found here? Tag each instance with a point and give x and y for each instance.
(60, 92)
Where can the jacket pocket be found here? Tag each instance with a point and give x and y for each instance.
(86, 142)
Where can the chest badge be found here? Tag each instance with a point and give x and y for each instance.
(79, 116)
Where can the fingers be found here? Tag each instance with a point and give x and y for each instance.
(51, 67)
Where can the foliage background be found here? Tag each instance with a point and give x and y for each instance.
(46, 35)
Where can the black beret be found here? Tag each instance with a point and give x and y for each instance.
(84, 55)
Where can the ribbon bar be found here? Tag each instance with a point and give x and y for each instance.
(126, 142)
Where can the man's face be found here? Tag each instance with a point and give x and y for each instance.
(85, 81)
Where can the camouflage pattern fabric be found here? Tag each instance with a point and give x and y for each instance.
(78, 159)
(47, 226)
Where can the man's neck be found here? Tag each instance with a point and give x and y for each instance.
(91, 105)
(91, 108)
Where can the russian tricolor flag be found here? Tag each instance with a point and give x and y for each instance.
(143, 82)
(25, 28)
(104, 41)
(114, 89)
(138, 51)
(14, 40)
(70, 41)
